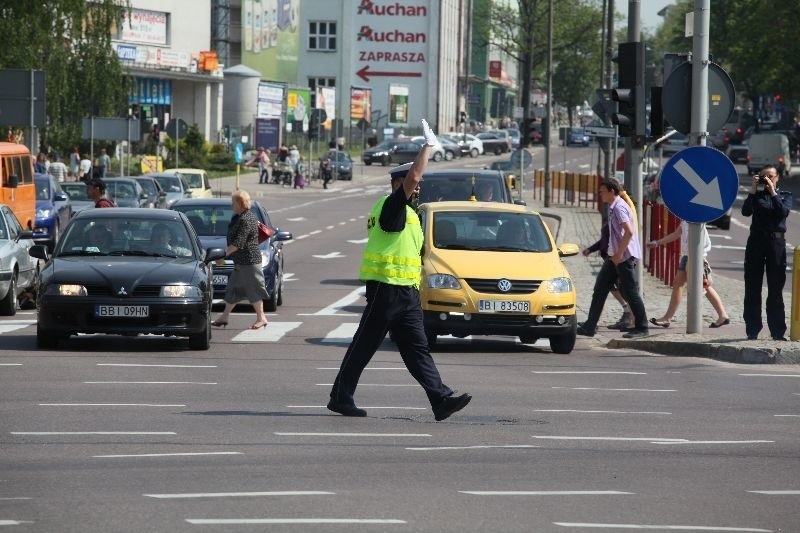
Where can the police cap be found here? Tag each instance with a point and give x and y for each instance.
(400, 172)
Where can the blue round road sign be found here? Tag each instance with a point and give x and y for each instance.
(699, 184)
(238, 152)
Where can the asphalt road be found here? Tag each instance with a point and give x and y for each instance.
(142, 434)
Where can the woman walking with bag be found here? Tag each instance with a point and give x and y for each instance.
(247, 279)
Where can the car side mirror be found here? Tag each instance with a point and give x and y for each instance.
(39, 251)
(60, 197)
(212, 254)
(25, 234)
(568, 249)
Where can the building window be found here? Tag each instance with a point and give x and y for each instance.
(313, 83)
(322, 36)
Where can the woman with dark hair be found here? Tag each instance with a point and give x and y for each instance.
(247, 279)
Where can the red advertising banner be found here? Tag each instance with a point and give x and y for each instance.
(495, 69)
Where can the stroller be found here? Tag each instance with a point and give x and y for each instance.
(283, 173)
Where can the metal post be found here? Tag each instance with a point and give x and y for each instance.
(633, 151)
(699, 123)
(177, 138)
(608, 160)
(548, 177)
(31, 141)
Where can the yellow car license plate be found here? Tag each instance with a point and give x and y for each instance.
(503, 306)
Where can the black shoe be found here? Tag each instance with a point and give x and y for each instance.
(752, 337)
(780, 339)
(346, 409)
(450, 405)
(583, 330)
(637, 334)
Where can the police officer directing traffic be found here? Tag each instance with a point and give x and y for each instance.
(391, 267)
(766, 248)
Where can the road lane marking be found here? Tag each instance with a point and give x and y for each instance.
(777, 492)
(358, 241)
(617, 390)
(272, 333)
(176, 454)
(373, 384)
(543, 492)
(337, 306)
(316, 231)
(93, 433)
(343, 333)
(788, 415)
(602, 412)
(572, 437)
(248, 521)
(363, 407)
(772, 375)
(112, 404)
(663, 527)
(16, 498)
(447, 448)
(148, 383)
(160, 366)
(10, 364)
(367, 368)
(586, 372)
(346, 434)
(238, 494)
(14, 522)
(720, 442)
(7, 326)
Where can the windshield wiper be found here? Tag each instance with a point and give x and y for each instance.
(80, 252)
(455, 247)
(141, 253)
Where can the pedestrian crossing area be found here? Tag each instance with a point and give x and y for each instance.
(275, 332)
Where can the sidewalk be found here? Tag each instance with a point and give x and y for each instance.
(582, 226)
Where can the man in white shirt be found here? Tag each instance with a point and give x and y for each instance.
(58, 170)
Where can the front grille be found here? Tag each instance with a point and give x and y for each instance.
(507, 320)
(489, 286)
(97, 290)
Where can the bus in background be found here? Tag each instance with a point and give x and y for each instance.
(17, 189)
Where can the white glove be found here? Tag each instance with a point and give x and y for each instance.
(427, 132)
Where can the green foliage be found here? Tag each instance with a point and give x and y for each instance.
(192, 149)
(71, 41)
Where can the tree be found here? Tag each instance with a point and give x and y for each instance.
(71, 41)
(521, 32)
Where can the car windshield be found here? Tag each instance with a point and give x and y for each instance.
(459, 188)
(194, 179)
(120, 189)
(148, 186)
(385, 145)
(208, 220)
(126, 237)
(490, 231)
(75, 191)
(42, 189)
(169, 183)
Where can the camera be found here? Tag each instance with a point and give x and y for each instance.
(763, 180)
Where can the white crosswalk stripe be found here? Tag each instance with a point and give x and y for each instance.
(8, 326)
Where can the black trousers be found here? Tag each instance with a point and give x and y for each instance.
(263, 177)
(396, 309)
(624, 276)
(768, 253)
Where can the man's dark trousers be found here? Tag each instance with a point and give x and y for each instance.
(395, 308)
(624, 275)
(762, 252)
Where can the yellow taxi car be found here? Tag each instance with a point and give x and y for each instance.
(197, 179)
(494, 269)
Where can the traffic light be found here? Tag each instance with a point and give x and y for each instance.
(630, 93)
(462, 117)
(315, 120)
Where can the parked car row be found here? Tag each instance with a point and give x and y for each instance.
(399, 151)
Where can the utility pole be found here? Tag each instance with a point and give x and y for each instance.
(548, 179)
(633, 143)
(699, 124)
(606, 143)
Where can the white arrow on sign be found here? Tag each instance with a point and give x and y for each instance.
(332, 255)
(707, 193)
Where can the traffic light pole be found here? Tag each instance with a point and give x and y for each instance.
(633, 143)
(699, 123)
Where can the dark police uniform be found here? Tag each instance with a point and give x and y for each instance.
(395, 308)
(766, 248)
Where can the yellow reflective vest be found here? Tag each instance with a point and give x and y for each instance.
(392, 257)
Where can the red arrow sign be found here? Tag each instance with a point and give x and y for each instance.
(365, 73)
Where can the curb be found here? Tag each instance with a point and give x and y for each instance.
(713, 350)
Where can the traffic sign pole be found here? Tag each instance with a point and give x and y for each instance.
(699, 122)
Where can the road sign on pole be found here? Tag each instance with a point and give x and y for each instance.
(699, 184)
(601, 131)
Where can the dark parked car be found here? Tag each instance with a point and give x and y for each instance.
(391, 153)
(76, 190)
(53, 210)
(175, 185)
(342, 165)
(126, 192)
(210, 218)
(156, 196)
(109, 275)
(494, 143)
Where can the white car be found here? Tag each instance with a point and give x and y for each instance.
(17, 268)
(437, 152)
(468, 143)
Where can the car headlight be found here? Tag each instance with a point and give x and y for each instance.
(265, 257)
(180, 291)
(43, 213)
(559, 285)
(66, 290)
(443, 281)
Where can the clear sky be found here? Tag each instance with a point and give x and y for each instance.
(649, 12)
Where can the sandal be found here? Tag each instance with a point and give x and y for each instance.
(662, 324)
(259, 325)
(219, 323)
(718, 324)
